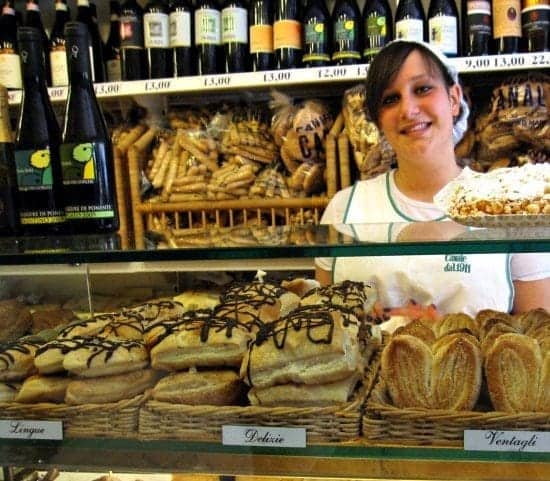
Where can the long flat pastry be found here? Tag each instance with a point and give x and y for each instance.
(17, 360)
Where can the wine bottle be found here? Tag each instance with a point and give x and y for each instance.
(208, 37)
(132, 50)
(58, 57)
(260, 20)
(535, 25)
(378, 27)
(9, 221)
(86, 149)
(10, 68)
(317, 24)
(38, 166)
(477, 27)
(234, 18)
(33, 18)
(346, 33)
(287, 34)
(443, 31)
(410, 21)
(112, 47)
(156, 38)
(181, 38)
(85, 15)
(507, 25)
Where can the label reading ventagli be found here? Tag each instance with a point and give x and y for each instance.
(496, 440)
(264, 436)
(25, 429)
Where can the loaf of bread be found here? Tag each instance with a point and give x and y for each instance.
(103, 357)
(302, 395)
(219, 388)
(37, 389)
(107, 389)
(15, 320)
(17, 360)
(200, 341)
(311, 345)
(513, 368)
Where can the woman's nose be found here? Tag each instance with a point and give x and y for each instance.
(408, 106)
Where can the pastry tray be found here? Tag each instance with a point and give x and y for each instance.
(507, 220)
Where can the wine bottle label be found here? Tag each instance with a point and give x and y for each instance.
(479, 19)
(443, 33)
(58, 62)
(344, 34)
(287, 34)
(180, 29)
(82, 3)
(234, 25)
(506, 18)
(61, 6)
(7, 10)
(535, 18)
(156, 30)
(376, 31)
(409, 29)
(83, 166)
(32, 6)
(10, 69)
(207, 26)
(261, 38)
(131, 32)
(315, 34)
(114, 71)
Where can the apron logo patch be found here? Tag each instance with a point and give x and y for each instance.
(457, 263)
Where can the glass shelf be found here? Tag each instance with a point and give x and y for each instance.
(280, 243)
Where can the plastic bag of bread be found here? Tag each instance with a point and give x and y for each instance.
(514, 127)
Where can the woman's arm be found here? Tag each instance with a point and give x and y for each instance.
(531, 294)
(323, 277)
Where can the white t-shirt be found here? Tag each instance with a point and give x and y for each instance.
(375, 210)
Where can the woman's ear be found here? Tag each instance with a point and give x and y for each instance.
(455, 94)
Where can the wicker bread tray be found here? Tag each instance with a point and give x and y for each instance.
(383, 422)
(109, 420)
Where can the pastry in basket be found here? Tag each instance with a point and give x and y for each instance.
(197, 299)
(103, 357)
(455, 322)
(311, 345)
(517, 374)
(357, 296)
(48, 358)
(300, 286)
(301, 395)
(205, 387)
(8, 391)
(536, 323)
(17, 360)
(15, 320)
(85, 327)
(129, 326)
(158, 310)
(38, 389)
(419, 329)
(446, 375)
(157, 331)
(202, 341)
(109, 389)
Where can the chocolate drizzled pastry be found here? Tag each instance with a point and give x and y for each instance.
(49, 357)
(159, 330)
(159, 310)
(201, 340)
(17, 360)
(311, 345)
(130, 325)
(101, 357)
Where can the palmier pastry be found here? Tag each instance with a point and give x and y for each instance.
(113, 388)
(159, 330)
(219, 388)
(158, 310)
(17, 360)
(513, 370)
(201, 341)
(37, 389)
(359, 297)
(48, 358)
(534, 318)
(311, 345)
(15, 320)
(453, 322)
(103, 357)
(418, 329)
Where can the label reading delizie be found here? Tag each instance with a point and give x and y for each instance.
(26, 429)
(264, 436)
(497, 440)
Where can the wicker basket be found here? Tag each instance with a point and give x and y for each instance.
(109, 420)
(383, 422)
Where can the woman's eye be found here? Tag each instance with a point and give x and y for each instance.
(424, 89)
(388, 100)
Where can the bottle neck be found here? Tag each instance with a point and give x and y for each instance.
(32, 65)
(79, 64)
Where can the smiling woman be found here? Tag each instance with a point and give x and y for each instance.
(415, 99)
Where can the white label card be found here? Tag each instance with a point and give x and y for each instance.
(30, 429)
(497, 440)
(264, 436)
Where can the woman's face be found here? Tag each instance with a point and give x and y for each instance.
(417, 111)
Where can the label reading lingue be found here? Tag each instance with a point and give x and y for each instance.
(156, 30)
(264, 436)
(82, 166)
(25, 429)
(207, 26)
(180, 29)
(496, 440)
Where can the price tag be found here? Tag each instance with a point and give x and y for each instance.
(264, 436)
(277, 76)
(496, 440)
(217, 81)
(157, 85)
(107, 88)
(57, 93)
(540, 59)
(30, 429)
(333, 73)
